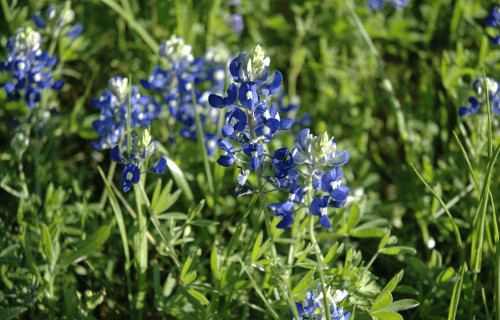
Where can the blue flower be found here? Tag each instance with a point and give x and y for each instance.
(131, 174)
(493, 21)
(248, 95)
(75, 31)
(284, 211)
(379, 4)
(220, 102)
(254, 151)
(475, 103)
(319, 207)
(313, 306)
(236, 23)
(235, 120)
(228, 159)
(160, 166)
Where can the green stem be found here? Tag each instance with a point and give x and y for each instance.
(141, 253)
(262, 195)
(22, 176)
(259, 291)
(314, 242)
(129, 17)
(201, 142)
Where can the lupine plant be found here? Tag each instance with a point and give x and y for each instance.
(152, 165)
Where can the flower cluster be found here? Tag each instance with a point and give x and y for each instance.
(313, 306)
(251, 121)
(306, 164)
(30, 66)
(475, 103)
(117, 105)
(379, 4)
(113, 106)
(141, 149)
(55, 24)
(179, 82)
(493, 21)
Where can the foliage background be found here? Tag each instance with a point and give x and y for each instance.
(430, 51)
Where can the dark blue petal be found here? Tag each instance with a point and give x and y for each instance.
(160, 166)
(286, 123)
(225, 161)
(254, 163)
(58, 85)
(325, 221)
(116, 155)
(75, 31)
(227, 130)
(216, 101)
(273, 84)
(39, 21)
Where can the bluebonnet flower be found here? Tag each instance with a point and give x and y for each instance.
(475, 103)
(113, 106)
(313, 306)
(179, 82)
(55, 24)
(252, 121)
(493, 21)
(236, 23)
(141, 149)
(30, 67)
(379, 4)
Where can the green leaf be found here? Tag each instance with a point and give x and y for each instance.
(156, 193)
(46, 242)
(189, 277)
(397, 250)
(384, 239)
(391, 285)
(214, 262)
(87, 246)
(203, 223)
(400, 305)
(455, 297)
(263, 262)
(180, 179)
(367, 232)
(382, 301)
(9, 313)
(173, 216)
(304, 282)
(388, 316)
(198, 296)
(256, 248)
(169, 285)
(186, 266)
(353, 218)
(334, 252)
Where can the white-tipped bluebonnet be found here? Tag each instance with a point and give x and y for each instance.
(313, 306)
(30, 67)
(179, 83)
(252, 124)
(379, 4)
(493, 21)
(113, 106)
(58, 21)
(142, 148)
(475, 103)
